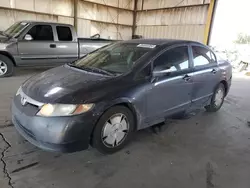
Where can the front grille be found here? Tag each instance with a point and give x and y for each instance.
(28, 109)
(25, 130)
(29, 100)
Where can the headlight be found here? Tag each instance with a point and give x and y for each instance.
(18, 91)
(63, 109)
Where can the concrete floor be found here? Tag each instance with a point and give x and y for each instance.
(206, 150)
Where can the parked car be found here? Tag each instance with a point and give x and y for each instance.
(29, 43)
(116, 90)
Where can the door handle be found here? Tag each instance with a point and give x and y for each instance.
(52, 45)
(214, 71)
(186, 78)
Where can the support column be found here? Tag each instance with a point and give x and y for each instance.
(75, 13)
(210, 14)
(134, 17)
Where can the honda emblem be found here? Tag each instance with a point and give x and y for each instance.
(23, 100)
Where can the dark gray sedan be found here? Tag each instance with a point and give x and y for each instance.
(110, 93)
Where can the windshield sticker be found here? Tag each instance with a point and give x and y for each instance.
(23, 23)
(146, 45)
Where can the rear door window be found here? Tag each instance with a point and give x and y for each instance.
(41, 33)
(202, 57)
(64, 33)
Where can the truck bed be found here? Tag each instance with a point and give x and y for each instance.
(87, 45)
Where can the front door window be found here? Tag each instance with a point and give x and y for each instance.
(173, 60)
(41, 33)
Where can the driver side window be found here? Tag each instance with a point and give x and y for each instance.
(41, 33)
(173, 60)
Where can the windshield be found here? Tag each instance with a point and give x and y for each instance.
(116, 58)
(15, 29)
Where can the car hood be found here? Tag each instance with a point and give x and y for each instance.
(5, 42)
(64, 84)
(3, 38)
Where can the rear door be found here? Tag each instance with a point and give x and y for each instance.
(65, 45)
(170, 93)
(38, 50)
(206, 74)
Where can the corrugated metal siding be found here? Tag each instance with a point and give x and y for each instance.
(104, 14)
(67, 20)
(174, 16)
(83, 28)
(7, 3)
(126, 4)
(187, 32)
(88, 28)
(90, 15)
(8, 17)
(176, 23)
(57, 7)
(157, 4)
(95, 17)
(92, 18)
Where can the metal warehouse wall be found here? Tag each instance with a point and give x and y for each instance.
(110, 18)
(177, 19)
(182, 19)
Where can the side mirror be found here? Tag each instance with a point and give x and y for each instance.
(158, 72)
(28, 37)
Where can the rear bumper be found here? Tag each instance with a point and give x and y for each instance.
(59, 134)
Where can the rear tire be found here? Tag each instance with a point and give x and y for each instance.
(113, 130)
(6, 66)
(217, 99)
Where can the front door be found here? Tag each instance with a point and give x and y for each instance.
(38, 50)
(170, 93)
(206, 75)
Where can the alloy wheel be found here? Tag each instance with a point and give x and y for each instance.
(3, 68)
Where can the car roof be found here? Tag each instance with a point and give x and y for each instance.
(44, 22)
(160, 42)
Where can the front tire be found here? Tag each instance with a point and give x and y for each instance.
(6, 66)
(217, 99)
(113, 130)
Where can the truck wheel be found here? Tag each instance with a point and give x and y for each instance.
(6, 66)
(217, 99)
(113, 130)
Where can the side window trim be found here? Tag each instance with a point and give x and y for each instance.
(215, 58)
(191, 57)
(36, 24)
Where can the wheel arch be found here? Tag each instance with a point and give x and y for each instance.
(128, 104)
(224, 82)
(131, 107)
(120, 102)
(7, 54)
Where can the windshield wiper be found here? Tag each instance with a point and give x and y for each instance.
(4, 34)
(101, 71)
(78, 67)
(91, 69)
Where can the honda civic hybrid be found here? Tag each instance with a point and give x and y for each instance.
(105, 96)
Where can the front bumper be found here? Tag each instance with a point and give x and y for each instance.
(61, 134)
